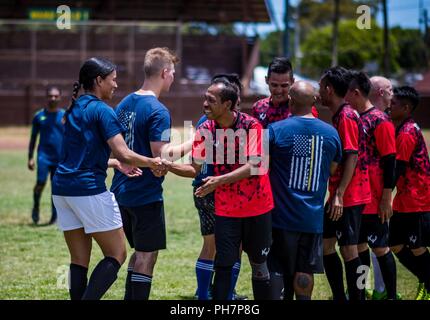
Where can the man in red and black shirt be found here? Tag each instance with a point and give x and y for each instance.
(275, 108)
(232, 141)
(349, 187)
(410, 224)
(380, 159)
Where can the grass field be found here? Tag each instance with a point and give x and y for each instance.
(34, 259)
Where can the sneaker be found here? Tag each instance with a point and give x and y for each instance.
(239, 296)
(369, 294)
(376, 295)
(426, 296)
(35, 216)
(421, 292)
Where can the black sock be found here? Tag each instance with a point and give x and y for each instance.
(53, 212)
(261, 288)
(365, 257)
(276, 285)
(423, 262)
(104, 274)
(78, 281)
(222, 283)
(409, 261)
(128, 291)
(334, 272)
(351, 270)
(140, 286)
(36, 199)
(288, 287)
(389, 274)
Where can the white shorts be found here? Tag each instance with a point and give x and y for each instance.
(96, 213)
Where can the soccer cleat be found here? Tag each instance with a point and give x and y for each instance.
(426, 297)
(35, 216)
(239, 296)
(376, 295)
(421, 292)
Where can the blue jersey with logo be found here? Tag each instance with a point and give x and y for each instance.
(146, 120)
(301, 153)
(207, 170)
(85, 153)
(51, 129)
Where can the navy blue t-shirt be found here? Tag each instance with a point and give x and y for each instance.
(301, 152)
(207, 170)
(146, 120)
(51, 129)
(85, 152)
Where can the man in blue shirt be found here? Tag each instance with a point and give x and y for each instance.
(47, 123)
(304, 151)
(147, 132)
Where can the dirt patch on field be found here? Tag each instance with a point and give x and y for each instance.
(14, 138)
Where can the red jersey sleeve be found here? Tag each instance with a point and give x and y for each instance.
(348, 133)
(315, 112)
(255, 137)
(385, 138)
(254, 112)
(405, 144)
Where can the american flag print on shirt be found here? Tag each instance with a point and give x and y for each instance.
(306, 162)
(127, 119)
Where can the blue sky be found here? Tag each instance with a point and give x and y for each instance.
(400, 12)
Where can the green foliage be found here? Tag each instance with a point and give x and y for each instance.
(356, 48)
(270, 47)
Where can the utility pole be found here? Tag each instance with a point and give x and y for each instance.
(286, 40)
(386, 42)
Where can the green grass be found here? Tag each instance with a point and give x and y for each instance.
(33, 259)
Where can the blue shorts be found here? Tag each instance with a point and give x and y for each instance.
(44, 167)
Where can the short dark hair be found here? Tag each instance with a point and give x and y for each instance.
(409, 94)
(233, 78)
(49, 88)
(360, 81)
(280, 65)
(339, 78)
(228, 91)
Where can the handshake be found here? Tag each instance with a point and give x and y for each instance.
(159, 167)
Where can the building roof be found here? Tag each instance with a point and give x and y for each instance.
(210, 11)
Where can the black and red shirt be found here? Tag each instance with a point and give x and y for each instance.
(266, 112)
(247, 197)
(413, 189)
(350, 128)
(380, 141)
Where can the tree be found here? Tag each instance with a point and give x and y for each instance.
(356, 48)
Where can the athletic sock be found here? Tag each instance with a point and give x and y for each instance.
(377, 275)
(288, 287)
(365, 257)
(36, 199)
(103, 276)
(334, 272)
(409, 261)
(140, 286)
(234, 276)
(423, 262)
(351, 270)
(261, 288)
(128, 290)
(389, 274)
(78, 281)
(222, 283)
(204, 271)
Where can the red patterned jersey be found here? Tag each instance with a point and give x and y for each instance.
(413, 189)
(266, 112)
(349, 126)
(380, 141)
(247, 197)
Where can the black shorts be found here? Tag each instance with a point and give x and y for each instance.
(411, 229)
(254, 233)
(206, 208)
(347, 229)
(373, 232)
(293, 252)
(144, 226)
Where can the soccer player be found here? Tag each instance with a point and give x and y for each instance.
(47, 122)
(147, 132)
(279, 79)
(380, 159)
(410, 224)
(303, 152)
(243, 196)
(380, 96)
(86, 210)
(349, 187)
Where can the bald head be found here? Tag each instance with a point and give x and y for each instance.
(302, 97)
(381, 92)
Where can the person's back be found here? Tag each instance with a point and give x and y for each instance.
(145, 119)
(302, 151)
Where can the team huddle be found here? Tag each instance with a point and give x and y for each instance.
(260, 183)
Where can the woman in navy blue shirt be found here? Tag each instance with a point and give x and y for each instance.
(86, 209)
